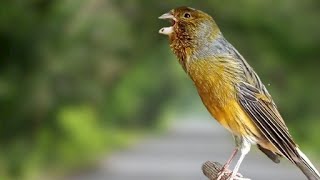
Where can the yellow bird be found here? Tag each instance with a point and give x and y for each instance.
(231, 90)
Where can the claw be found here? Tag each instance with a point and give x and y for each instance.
(224, 173)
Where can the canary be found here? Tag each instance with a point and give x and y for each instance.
(231, 90)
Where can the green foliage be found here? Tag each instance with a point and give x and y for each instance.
(79, 78)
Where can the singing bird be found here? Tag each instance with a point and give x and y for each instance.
(231, 90)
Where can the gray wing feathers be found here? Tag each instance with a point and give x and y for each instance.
(266, 117)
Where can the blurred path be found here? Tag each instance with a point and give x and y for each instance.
(179, 155)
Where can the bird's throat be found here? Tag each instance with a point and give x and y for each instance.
(185, 46)
(182, 47)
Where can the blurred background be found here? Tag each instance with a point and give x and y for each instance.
(81, 80)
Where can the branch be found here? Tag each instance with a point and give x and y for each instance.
(212, 169)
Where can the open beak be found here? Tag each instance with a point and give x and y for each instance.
(168, 30)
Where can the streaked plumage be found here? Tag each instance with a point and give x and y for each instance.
(230, 89)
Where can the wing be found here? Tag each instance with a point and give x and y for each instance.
(257, 103)
(263, 112)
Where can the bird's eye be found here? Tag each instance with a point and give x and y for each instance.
(187, 15)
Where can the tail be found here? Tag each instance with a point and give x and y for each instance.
(307, 167)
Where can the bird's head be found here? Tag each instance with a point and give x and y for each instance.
(190, 28)
(189, 22)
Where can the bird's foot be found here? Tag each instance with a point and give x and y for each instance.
(224, 174)
(227, 174)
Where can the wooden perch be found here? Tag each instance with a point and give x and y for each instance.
(212, 169)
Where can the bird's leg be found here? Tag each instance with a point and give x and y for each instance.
(238, 143)
(245, 148)
(225, 167)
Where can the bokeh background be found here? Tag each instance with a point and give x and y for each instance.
(82, 79)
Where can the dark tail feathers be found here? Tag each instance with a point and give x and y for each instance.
(307, 167)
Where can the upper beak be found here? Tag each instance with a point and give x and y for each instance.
(168, 16)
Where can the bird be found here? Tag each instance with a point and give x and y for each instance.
(231, 90)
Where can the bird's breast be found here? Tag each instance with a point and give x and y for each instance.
(216, 87)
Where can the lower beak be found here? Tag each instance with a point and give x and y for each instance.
(166, 30)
